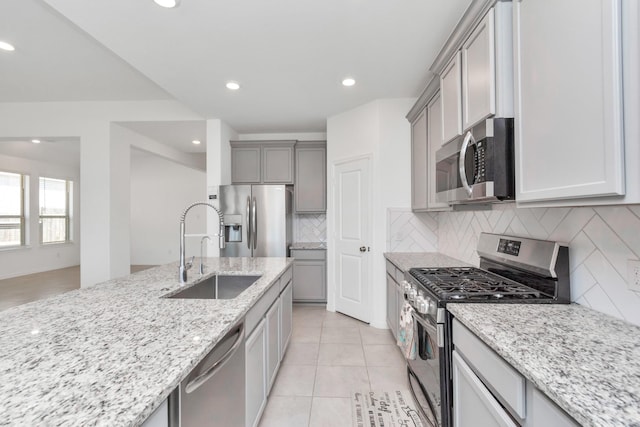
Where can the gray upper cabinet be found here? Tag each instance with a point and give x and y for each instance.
(478, 73)
(434, 130)
(475, 68)
(568, 78)
(419, 170)
(245, 165)
(311, 177)
(451, 99)
(262, 162)
(277, 164)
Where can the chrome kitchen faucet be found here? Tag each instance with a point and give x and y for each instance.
(186, 266)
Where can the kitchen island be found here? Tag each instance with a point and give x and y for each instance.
(111, 354)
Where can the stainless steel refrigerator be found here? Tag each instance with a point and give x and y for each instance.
(257, 220)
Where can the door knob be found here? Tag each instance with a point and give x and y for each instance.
(363, 248)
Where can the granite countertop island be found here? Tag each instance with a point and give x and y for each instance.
(585, 361)
(109, 355)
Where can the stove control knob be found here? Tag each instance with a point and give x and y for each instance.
(412, 293)
(405, 286)
(422, 305)
(432, 307)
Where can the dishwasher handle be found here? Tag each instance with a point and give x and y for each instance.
(216, 366)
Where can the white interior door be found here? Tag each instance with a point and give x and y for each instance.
(352, 198)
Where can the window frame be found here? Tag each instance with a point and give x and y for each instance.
(67, 217)
(21, 217)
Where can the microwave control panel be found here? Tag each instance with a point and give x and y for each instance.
(481, 162)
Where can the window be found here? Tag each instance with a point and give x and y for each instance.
(12, 222)
(55, 196)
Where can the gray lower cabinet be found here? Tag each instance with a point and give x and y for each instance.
(273, 343)
(310, 191)
(268, 324)
(286, 317)
(309, 275)
(392, 306)
(262, 162)
(487, 390)
(255, 371)
(395, 297)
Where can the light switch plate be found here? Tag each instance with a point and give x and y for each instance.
(633, 275)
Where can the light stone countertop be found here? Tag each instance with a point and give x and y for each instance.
(587, 362)
(308, 245)
(407, 260)
(109, 355)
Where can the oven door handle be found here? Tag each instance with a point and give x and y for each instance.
(437, 330)
(462, 168)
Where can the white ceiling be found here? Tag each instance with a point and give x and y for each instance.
(177, 135)
(65, 151)
(289, 56)
(56, 61)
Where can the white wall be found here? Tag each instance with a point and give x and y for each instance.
(101, 157)
(160, 190)
(36, 257)
(378, 129)
(218, 173)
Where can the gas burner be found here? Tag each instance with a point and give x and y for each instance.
(472, 284)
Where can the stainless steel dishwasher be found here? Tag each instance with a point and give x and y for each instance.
(213, 394)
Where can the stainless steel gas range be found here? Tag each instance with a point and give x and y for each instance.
(513, 270)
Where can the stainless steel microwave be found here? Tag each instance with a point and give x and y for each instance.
(479, 166)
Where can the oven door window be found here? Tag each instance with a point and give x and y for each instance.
(426, 368)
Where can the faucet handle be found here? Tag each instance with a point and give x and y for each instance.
(190, 263)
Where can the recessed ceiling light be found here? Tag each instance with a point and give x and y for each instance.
(233, 86)
(348, 82)
(196, 142)
(167, 3)
(6, 46)
(35, 141)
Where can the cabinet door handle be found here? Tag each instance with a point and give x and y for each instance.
(363, 248)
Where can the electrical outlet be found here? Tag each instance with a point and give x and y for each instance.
(633, 275)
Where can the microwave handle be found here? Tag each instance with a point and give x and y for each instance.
(468, 140)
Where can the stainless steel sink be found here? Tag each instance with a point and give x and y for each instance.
(218, 287)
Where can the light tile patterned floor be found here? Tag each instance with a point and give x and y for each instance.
(330, 356)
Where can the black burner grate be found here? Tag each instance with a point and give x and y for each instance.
(471, 283)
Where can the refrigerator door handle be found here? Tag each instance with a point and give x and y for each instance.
(254, 226)
(249, 234)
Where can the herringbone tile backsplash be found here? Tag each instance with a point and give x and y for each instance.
(310, 228)
(601, 240)
(409, 232)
